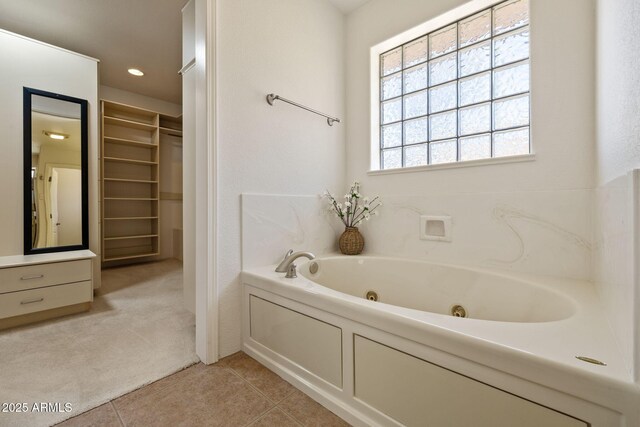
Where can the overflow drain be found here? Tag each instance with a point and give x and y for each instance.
(371, 296)
(458, 311)
(313, 267)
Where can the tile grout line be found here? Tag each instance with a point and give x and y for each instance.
(256, 388)
(288, 395)
(117, 413)
(275, 404)
(288, 415)
(253, 422)
(275, 408)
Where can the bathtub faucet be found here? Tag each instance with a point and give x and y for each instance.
(287, 265)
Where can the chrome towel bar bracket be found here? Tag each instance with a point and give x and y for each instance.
(272, 97)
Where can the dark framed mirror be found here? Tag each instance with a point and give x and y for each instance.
(56, 207)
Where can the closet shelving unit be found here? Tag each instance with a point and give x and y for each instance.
(130, 180)
(170, 125)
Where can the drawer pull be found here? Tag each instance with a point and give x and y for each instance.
(31, 301)
(35, 276)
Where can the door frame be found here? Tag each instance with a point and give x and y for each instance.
(207, 319)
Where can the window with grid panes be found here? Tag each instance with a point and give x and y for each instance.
(458, 93)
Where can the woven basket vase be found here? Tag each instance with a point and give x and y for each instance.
(351, 241)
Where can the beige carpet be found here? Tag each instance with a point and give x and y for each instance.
(136, 333)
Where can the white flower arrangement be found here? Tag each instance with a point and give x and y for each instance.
(355, 208)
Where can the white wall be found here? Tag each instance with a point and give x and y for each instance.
(294, 48)
(501, 211)
(617, 209)
(45, 67)
(618, 89)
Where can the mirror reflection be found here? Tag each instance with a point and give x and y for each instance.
(56, 173)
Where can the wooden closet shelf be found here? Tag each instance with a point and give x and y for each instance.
(170, 131)
(126, 218)
(134, 199)
(129, 109)
(108, 120)
(141, 181)
(130, 161)
(132, 256)
(138, 236)
(124, 141)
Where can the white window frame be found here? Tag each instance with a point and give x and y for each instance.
(429, 26)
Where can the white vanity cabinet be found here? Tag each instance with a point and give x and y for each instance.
(38, 287)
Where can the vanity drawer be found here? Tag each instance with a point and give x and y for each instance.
(39, 275)
(25, 302)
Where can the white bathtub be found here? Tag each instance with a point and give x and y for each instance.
(437, 288)
(368, 360)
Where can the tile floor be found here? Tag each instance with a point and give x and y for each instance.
(236, 391)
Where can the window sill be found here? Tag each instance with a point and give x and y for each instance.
(456, 165)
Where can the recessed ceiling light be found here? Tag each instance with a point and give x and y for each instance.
(55, 135)
(135, 72)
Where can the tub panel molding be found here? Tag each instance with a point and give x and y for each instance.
(308, 342)
(416, 392)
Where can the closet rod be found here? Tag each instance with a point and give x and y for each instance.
(330, 120)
